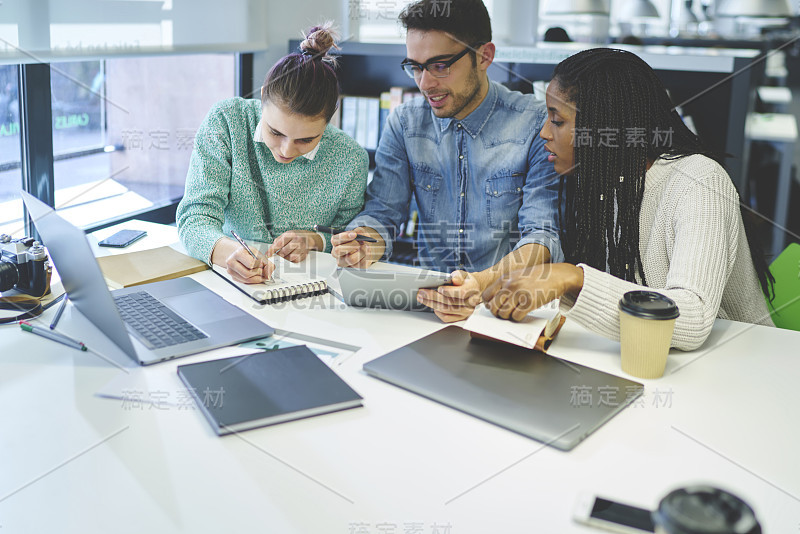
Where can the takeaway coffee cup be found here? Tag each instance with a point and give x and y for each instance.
(704, 510)
(646, 321)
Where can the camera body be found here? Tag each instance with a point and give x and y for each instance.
(24, 266)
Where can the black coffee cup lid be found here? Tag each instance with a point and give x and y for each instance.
(705, 510)
(648, 305)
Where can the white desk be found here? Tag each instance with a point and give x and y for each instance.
(775, 99)
(73, 462)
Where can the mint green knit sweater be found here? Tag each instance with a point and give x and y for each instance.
(234, 183)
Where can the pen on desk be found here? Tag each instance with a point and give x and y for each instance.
(59, 312)
(52, 336)
(241, 242)
(334, 231)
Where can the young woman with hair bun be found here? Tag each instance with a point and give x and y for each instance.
(270, 169)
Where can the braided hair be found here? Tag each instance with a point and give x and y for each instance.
(624, 120)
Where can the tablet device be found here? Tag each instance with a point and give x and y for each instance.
(392, 290)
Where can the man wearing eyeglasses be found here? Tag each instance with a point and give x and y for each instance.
(470, 153)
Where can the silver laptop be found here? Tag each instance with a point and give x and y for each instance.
(162, 320)
(544, 398)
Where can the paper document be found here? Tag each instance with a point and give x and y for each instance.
(524, 333)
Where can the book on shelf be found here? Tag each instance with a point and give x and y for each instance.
(349, 111)
(363, 117)
(395, 97)
(410, 95)
(336, 119)
(385, 109)
(266, 388)
(146, 266)
(410, 228)
(287, 283)
(373, 123)
(362, 120)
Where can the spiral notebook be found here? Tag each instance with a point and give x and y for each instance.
(288, 283)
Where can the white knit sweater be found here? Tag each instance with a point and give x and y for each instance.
(694, 250)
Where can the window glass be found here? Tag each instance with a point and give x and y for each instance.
(78, 93)
(375, 21)
(123, 130)
(10, 172)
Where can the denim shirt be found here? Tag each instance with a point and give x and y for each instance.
(483, 184)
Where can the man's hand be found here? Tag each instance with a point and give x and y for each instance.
(454, 302)
(360, 254)
(240, 264)
(294, 245)
(515, 294)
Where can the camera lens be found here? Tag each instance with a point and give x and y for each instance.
(9, 276)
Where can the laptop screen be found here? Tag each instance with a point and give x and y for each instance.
(81, 276)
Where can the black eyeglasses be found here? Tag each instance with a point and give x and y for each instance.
(437, 68)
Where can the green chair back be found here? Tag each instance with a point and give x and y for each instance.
(785, 309)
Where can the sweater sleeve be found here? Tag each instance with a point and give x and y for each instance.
(353, 199)
(201, 212)
(705, 226)
(390, 191)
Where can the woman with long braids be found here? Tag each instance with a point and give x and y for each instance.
(271, 169)
(644, 204)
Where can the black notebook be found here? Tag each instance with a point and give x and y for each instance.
(266, 388)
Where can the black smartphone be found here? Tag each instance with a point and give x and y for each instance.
(612, 516)
(123, 238)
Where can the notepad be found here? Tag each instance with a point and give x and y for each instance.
(266, 388)
(289, 282)
(146, 266)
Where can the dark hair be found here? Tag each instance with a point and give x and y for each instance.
(616, 91)
(466, 20)
(631, 40)
(557, 34)
(305, 83)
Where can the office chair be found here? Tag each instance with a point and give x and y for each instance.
(785, 308)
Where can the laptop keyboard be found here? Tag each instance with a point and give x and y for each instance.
(153, 323)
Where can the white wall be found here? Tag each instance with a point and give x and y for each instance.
(286, 19)
(514, 22)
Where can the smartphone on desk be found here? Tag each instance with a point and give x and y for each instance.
(122, 239)
(612, 516)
